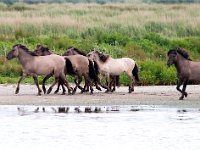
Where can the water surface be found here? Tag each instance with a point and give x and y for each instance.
(146, 127)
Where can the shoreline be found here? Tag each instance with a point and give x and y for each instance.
(143, 95)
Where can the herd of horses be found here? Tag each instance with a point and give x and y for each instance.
(92, 67)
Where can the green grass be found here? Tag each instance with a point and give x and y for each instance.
(143, 32)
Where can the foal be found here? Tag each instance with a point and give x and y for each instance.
(186, 69)
(34, 65)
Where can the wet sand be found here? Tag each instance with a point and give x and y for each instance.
(143, 95)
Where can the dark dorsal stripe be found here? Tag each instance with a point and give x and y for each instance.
(25, 49)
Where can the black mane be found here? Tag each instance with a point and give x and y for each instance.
(102, 56)
(76, 50)
(25, 49)
(79, 51)
(180, 51)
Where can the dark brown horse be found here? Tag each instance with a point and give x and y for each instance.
(187, 69)
(76, 65)
(114, 79)
(34, 65)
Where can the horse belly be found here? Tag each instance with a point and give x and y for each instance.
(194, 71)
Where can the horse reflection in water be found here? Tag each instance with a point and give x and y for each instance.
(187, 69)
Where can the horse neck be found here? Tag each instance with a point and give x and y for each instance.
(181, 63)
(24, 57)
(102, 64)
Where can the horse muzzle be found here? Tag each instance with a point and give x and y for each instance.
(9, 56)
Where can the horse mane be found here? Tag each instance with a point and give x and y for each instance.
(182, 52)
(25, 49)
(103, 57)
(77, 50)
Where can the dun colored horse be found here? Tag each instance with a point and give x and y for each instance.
(114, 79)
(186, 69)
(109, 66)
(34, 65)
(43, 51)
(78, 66)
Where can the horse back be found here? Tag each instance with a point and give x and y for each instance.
(48, 64)
(79, 62)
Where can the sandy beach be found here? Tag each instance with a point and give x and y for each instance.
(143, 95)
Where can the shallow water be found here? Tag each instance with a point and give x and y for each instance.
(146, 127)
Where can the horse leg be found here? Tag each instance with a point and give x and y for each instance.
(65, 82)
(179, 83)
(44, 80)
(97, 86)
(87, 79)
(113, 83)
(63, 87)
(183, 91)
(131, 85)
(54, 83)
(58, 87)
(77, 84)
(108, 82)
(37, 84)
(23, 76)
(60, 83)
(86, 86)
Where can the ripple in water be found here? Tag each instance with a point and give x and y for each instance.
(118, 127)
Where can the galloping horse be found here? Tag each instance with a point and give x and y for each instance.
(78, 66)
(34, 65)
(186, 69)
(114, 67)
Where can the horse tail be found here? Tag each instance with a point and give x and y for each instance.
(135, 73)
(117, 81)
(69, 67)
(92, 72)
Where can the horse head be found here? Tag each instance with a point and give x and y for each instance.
(42, 50)
(173, 54)
(172, 57)
(15, 51)
(96, 55)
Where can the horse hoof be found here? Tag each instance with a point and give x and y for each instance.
(107, 91)
(17, 91)
(44, 90)
(73, 92)
(186, 94)
(49, 91)
(63, 93)
(98, 88)
(56, 92)
(181, 98)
